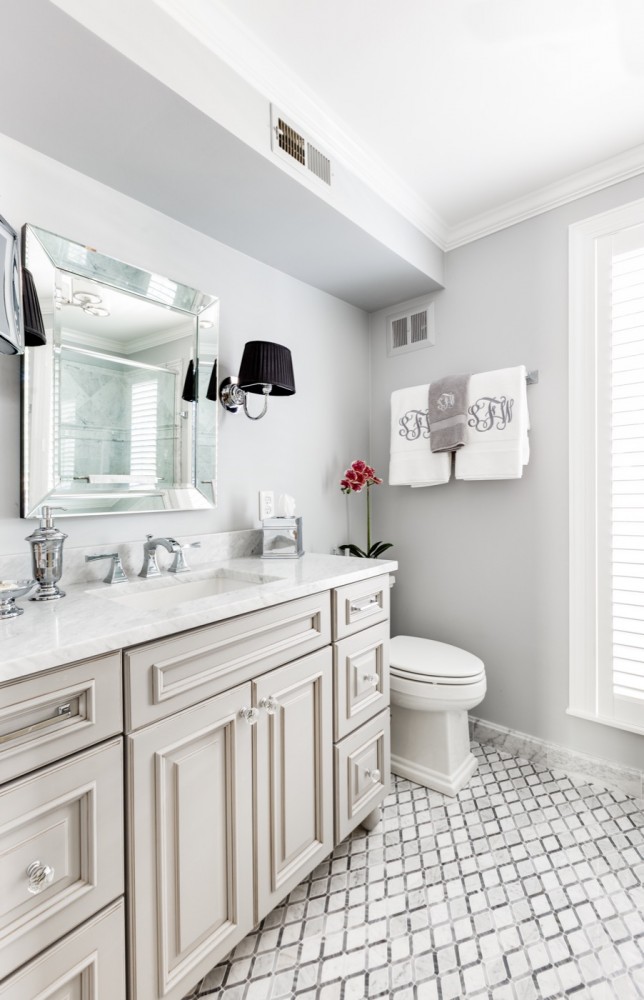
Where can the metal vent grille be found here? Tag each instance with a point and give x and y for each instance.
(290, 143)
(399, 333)
(418, 327)
(410, 329)
(318, 163)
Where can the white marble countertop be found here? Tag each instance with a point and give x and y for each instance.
(95, 618)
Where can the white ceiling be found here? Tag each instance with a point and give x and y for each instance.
(471, 104)
(463, 116)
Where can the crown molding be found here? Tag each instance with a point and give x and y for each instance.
(601, 175)
(216, 27)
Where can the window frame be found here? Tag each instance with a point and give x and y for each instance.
(587, 676)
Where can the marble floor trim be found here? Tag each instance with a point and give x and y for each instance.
(528, 885)
(602, 772)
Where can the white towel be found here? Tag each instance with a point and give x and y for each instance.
(412, 462)
(497, 444)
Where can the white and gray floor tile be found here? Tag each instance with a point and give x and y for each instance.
(527, 886)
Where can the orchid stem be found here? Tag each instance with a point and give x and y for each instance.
(368, 520)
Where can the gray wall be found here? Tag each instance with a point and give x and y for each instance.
(484, 565)
(303, 443)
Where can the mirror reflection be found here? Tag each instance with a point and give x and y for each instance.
(115, 407)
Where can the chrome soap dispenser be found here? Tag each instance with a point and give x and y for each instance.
(47, 557)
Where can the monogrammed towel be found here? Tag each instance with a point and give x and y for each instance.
(497, 444)
(447, 416)
(412, 461)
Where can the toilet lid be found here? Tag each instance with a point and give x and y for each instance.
(416, 658)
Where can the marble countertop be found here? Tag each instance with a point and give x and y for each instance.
(95, 618)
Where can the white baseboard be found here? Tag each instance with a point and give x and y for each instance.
(594, 770)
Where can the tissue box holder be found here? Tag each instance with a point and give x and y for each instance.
(282, 538)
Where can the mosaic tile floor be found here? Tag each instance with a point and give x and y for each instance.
(525, 886)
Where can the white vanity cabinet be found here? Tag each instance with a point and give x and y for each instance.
(230, 801)
(61, 834)
(361, 717)
(249, 746)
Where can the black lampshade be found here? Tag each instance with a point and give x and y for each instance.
(264, 363)
(189, 393)
(211, 391)
(31, 314)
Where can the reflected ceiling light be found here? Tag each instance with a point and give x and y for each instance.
(266, 369)
(90, 302)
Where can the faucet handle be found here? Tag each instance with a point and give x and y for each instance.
(116, 573)
(179, 564)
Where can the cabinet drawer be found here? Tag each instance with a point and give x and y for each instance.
(63, 826)
(359, 605)
(88, 964)
(361, 774)
(162, 678)
(361, 673)
(47, 717)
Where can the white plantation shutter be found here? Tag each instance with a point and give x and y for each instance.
(144, 424)
(607, 471)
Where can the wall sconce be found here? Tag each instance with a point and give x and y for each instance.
(266, 369)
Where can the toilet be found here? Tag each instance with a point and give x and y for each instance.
(433, 686)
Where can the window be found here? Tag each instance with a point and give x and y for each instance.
(607, 468)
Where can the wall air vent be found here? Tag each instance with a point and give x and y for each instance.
(411, 328)
(290, 143)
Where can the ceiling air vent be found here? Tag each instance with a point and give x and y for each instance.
(292, 144)
(410, 329)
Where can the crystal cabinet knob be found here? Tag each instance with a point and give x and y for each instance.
(371, 679)
(373, 774)
(249, 715)
(39, 876)
(270, 704)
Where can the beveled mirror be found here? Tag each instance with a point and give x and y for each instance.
(115, 412)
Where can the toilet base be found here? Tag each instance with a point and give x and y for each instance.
(432, 748)
(448, 784)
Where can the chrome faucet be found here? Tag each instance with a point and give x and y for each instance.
(116, 573)
(151, 567)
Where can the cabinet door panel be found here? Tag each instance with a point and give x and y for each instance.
(293, 805)
(88, 964)
(190, 844)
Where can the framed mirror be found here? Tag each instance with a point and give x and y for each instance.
(116, 414)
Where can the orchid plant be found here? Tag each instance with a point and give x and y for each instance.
(360, 476)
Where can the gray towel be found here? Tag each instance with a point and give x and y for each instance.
(448, 412)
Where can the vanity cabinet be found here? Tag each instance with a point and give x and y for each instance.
(249, 746)
(361, 717)
(61, 834)
(230, 801)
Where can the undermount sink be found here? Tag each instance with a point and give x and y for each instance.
(169, 591)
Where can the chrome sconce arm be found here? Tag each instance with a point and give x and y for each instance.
(266, 369)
